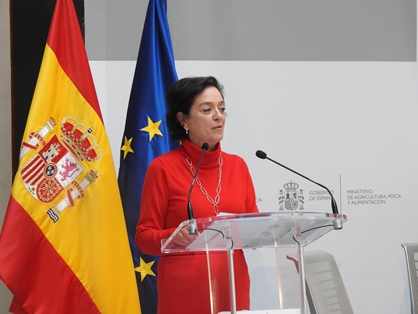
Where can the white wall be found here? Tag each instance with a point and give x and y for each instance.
(348, 125)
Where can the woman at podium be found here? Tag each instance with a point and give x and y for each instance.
(196, 116)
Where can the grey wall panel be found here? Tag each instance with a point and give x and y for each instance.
(5, 130)
(263, 30)
(114, 28)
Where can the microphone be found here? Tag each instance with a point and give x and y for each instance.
(192, 222)
(337, 222)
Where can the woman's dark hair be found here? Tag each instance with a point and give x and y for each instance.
(180, 98)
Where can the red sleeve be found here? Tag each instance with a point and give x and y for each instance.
(150, 228)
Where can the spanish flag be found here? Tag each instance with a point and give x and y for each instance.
(64, 246)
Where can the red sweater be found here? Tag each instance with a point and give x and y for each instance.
(164, 207)
(167, 183)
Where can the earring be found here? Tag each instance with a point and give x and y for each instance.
(187, 131)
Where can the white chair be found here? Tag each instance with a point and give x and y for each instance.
(325, 290)
(411, 255)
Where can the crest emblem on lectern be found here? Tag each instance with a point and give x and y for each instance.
(291, 198)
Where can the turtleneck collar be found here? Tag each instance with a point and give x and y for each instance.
(193, 153)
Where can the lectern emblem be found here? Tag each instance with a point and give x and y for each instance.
(292, 198)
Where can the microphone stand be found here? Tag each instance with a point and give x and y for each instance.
(192, 227)
(338, 225)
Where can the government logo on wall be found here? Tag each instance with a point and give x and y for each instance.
(291, 198)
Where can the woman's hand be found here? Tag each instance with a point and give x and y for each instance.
(183, 237)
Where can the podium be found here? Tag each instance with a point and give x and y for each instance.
(229, 232)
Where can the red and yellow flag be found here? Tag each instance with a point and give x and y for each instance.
(64, 245)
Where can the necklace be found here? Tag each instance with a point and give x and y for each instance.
(212, 201)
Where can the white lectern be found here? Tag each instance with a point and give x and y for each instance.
(258, 230)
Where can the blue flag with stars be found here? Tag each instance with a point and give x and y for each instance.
(146, 136)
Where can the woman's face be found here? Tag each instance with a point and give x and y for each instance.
(206, 120)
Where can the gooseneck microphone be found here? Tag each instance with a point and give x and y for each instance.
(337, 222)
(192, 222)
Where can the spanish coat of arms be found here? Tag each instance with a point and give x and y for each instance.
(292, 198)
(57, 165)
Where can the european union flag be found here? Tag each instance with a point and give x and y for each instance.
(146, 136)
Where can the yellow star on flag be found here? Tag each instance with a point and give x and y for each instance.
(144, 268)
(152, 128)
(127, 147)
